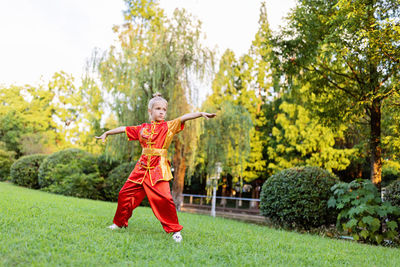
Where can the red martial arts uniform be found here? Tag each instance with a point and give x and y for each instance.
(151, 175)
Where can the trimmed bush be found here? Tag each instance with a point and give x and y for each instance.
(392, 193)
(71, 172)
(298, 197)
(25, 170)
(116, 179)
(106, 165)
(6, 160)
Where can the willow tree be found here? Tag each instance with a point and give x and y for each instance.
(155, 54)
(235, 82)
(93, 103)
(226, 139)
(348, 51)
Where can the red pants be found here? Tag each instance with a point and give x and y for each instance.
(160, 200)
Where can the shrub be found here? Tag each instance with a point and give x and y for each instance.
(76, 183)
(390, 172)
(116, 179)
(362, 212)
(25, 170)
(298, 197)
(71, 172)
(392, 193)
(106, 165)
(6, 160)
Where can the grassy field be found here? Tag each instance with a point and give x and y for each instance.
(40, 229)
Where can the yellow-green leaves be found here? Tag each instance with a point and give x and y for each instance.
(301, 140)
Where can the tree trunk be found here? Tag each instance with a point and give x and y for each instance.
(375, 143)
(179, 174)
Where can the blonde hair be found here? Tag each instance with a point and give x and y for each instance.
(156, 98)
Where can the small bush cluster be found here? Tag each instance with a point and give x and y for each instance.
(6, 160)
(24, 171)
(116, 179)
(297, 198)
(363, 214)
(392, 193)
(72, 172)
(106, 165)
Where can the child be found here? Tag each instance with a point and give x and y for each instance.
(152, 171)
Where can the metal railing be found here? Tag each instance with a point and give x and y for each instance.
(225, 202)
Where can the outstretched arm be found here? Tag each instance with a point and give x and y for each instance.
(110, 132)
(195, 115)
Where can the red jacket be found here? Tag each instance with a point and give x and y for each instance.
(155, 138)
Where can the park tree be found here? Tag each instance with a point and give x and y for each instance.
(155, 54)
(92, 107)
(232, 84)
(47, 118)
(298, 140)
(68, 108)
(244, 83)
(226, 139)
(11, 118)
(27, 126)
(347, 53)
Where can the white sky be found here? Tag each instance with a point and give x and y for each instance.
(40, 37)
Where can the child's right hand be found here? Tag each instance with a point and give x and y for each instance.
(102, 137)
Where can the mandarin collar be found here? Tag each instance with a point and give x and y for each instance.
(157, 122)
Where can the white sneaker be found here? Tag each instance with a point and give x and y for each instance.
(177, 237)
(114, 227)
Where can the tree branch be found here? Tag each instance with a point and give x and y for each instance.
(386, 78)
(337, 73)
(391, 57)
(353, 71)
(333, 83)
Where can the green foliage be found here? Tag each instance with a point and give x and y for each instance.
(392, 193)
(234, 85)
(363, 214)
(72, 172)
(28, 115)
(298, 139)
(298, 197)
(25, 170)
(391, 127)
(347, 53)
(76, 183)
(116, 179)
(6, 160)
(390, 172)
(226, 139)
(72, 232)
(325, 45)
(11, 129)
(106, 164)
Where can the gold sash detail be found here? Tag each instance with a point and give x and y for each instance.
(164, 165)
(154, 152)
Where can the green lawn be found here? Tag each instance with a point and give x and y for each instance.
(42, 229)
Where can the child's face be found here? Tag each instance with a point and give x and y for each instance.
(158, 111)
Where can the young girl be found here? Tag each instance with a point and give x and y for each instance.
(152, 171)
